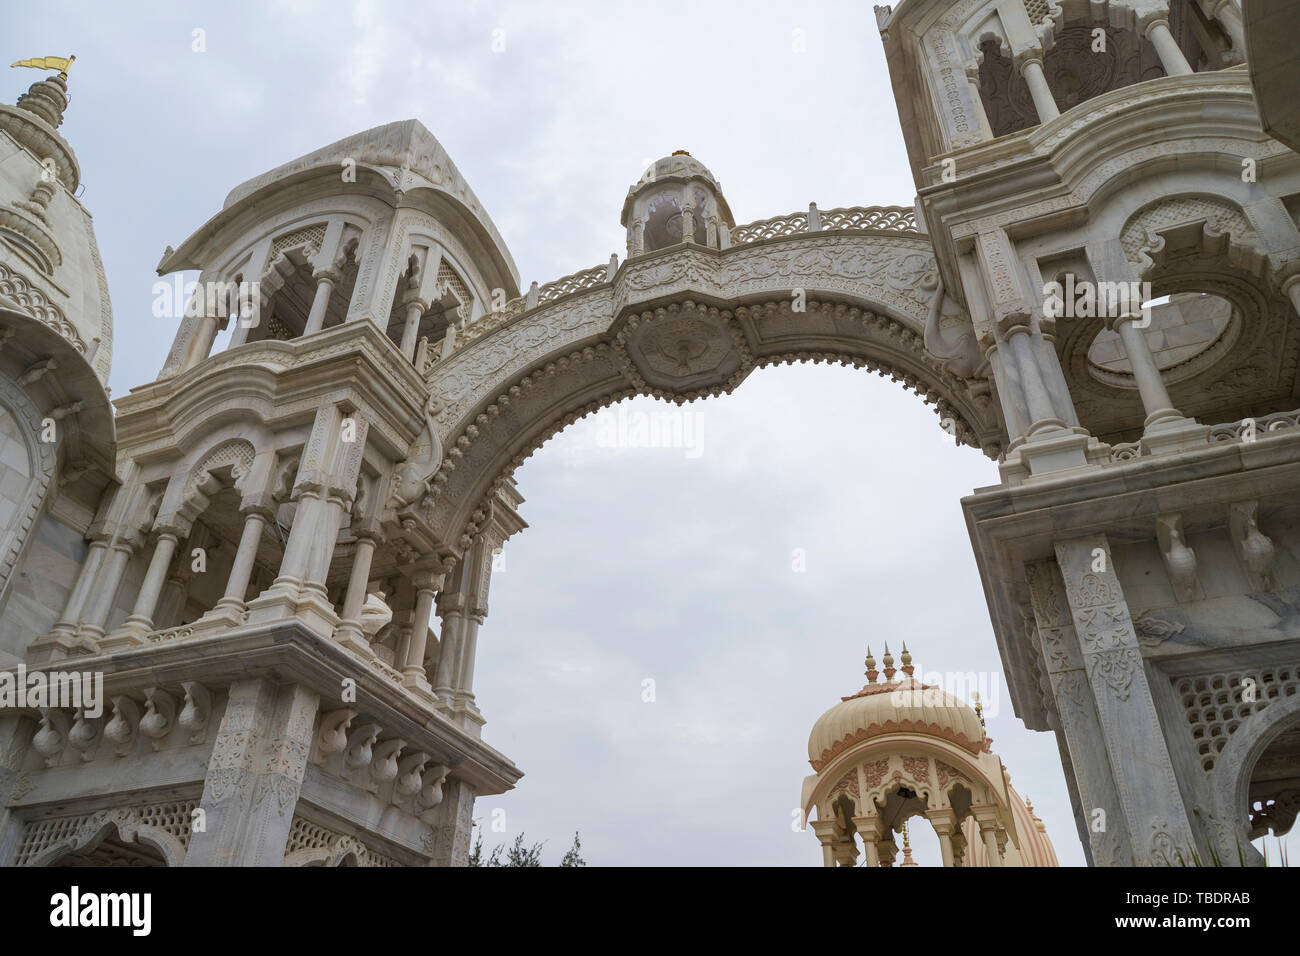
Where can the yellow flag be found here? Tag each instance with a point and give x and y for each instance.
(48, 63)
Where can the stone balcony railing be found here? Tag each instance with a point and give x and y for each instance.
(893, 219)
(1244, 430)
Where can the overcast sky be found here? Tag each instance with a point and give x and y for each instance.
(670, 564)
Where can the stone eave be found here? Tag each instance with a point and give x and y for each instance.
(291, 653)
(354, 356)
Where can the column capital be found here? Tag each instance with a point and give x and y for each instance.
(1027, 57)
(258, 505)
(1153, 24)
(1115, 322)
(328, 274)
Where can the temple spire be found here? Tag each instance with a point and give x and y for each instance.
(47, 98)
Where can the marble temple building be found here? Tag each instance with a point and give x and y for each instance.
(277, 556)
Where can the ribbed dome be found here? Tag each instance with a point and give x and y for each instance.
(906, 705)
(680, 163)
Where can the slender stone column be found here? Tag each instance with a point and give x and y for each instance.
(349, 630)
(297, 550)
(1167, 48)
(325, 282)
(203, 339)
(977, 102)
(451, 608)
(1229, 16)
(944, 830)
(465, 684)
(141, 617)
(1037, 398)
(241, 571)
(1155, 397)
(873, 854)
(259, 758)
(989, 833)
(106, 585)
(944, 821)
(688, 222)
(323, 543)
(71, 616)
(1044, 103)
(414, 675)
(415, 309)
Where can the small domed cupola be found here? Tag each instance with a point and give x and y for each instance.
(676, 200)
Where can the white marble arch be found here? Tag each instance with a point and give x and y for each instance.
(1229, 825)
(500, 397)
(101, 825)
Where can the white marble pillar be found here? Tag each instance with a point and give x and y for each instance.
(688, 222)
(349, 630)
(1044, 102)
(1167, 48)
(469, 647)
(105, 587)
(1156, 402)
(241, 571)
(988, 832)
(239, 334)
(415, 309)
(1037, 398)
(451, 608)
(326, 279)
(324, 542)
(71, 616)
(298, 549)
(141, 617)
(414, 676)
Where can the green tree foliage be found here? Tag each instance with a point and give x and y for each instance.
(520, 854)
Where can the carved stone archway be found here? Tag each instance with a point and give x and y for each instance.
(681, 324)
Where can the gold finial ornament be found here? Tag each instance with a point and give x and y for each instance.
(979, 711)
(60, 63)
(680, 152)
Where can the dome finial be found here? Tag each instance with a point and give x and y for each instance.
(907, 849)
(979, 711)
(872, 673)
(906, 658)
(890, 670)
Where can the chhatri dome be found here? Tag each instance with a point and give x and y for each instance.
(900, 749)
(676, 200)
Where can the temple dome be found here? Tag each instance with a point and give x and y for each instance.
(681, 164)
(906, 705)
(676, 200)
